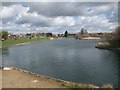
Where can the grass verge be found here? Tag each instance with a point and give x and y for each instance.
(13, 42)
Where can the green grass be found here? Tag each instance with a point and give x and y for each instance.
(12, 42)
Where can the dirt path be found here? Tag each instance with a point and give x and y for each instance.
(18, 79)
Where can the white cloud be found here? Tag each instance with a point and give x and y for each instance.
(12, 12)
(94, 24)
(70, 21)
(33, 19)
(63, 21)
(58, 17)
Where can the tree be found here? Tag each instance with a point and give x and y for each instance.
(49, 34)
(5, 35)
(82, 31)
(115, 41)
(66, 34)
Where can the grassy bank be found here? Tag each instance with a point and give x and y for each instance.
(13, 42)
(103, 45)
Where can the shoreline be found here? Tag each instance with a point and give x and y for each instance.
(27, 79)
(12, 74)
(21, 44)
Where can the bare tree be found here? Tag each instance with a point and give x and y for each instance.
(115, 41)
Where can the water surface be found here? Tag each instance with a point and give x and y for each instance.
(67, 59)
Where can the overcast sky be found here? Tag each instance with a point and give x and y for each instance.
(57, 17)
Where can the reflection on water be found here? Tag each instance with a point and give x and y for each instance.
(5, 51)
(68, 59)
(118, 53)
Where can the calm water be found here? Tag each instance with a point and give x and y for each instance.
(67, 59)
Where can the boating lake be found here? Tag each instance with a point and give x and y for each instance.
(67, 59)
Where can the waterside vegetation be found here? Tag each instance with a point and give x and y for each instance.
(112, 42)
